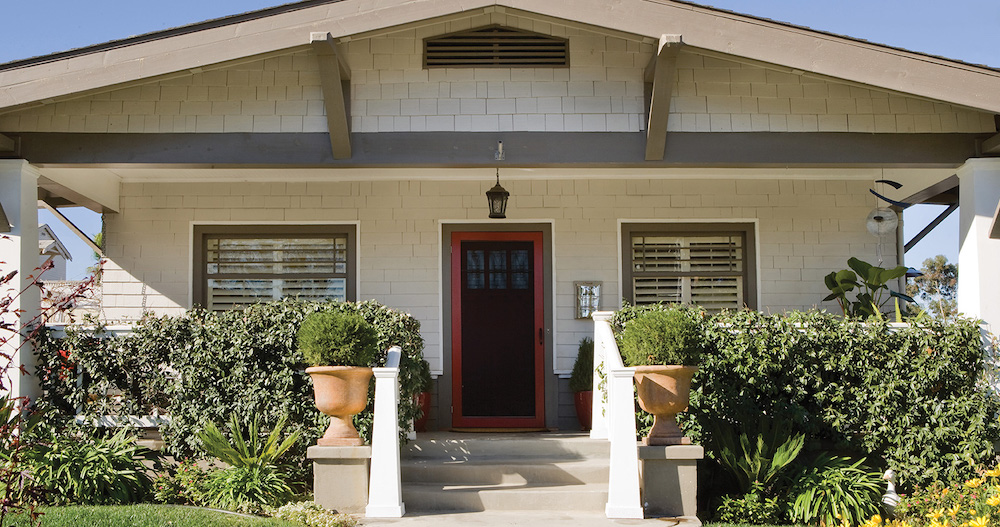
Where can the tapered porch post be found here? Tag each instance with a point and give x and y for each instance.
(19, 252)
(979, 255)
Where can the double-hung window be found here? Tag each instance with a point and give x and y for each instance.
(711, 265)
(237, 265)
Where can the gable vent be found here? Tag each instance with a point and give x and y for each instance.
(495, 47)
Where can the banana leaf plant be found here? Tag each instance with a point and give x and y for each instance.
(871, 284)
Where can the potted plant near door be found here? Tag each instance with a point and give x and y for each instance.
(664, 345)
(581, 382)
(423, 396)
(340, 347)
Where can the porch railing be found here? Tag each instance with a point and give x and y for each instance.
(614, 419)
(385, 490)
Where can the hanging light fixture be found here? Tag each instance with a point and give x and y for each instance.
(497, 197)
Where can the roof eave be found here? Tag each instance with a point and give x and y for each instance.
(287, 27)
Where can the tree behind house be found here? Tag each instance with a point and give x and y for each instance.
(937, 289)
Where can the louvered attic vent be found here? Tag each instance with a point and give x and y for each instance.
(496, 47)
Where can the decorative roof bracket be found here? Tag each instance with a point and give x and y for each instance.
(336, 78)
(660, 76)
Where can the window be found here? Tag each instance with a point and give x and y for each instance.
(236, 265)
(710, 265)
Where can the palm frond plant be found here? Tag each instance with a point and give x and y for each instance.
(253, 479)
(759, 454)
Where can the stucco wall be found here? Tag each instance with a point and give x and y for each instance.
(391, 92)
(806, 229)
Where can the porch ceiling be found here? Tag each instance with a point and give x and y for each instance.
(97, 190)
(180, 51)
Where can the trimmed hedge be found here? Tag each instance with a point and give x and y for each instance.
(914, 396)
(203, 366)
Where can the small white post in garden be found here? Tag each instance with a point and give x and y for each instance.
(603, 338)
(385, 490)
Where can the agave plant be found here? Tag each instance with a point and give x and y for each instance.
(253, 479)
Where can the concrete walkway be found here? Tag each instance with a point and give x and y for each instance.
(525, 518)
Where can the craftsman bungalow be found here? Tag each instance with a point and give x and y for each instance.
(342, 149)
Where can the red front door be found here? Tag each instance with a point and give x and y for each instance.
(497, 330)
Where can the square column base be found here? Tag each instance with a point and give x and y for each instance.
(669, 476)
(340, 476)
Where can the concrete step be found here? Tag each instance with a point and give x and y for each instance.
(504, 497)
(493, 471)
(562, 471)
(554, 445)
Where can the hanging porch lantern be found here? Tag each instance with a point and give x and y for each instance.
(497, 197)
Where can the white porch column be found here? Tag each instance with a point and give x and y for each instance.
(978, 255)
(19, 197)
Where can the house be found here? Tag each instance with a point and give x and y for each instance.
(51, 248)
(343, 149)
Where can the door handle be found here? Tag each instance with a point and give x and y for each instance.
(541, 336)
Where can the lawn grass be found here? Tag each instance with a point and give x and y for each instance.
(144, 515)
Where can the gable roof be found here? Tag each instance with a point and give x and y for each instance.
(49, 244)
(279, 29)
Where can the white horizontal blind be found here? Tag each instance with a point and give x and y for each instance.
(242, 270)
(707, 270)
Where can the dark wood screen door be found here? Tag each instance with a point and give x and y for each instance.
(497, 329)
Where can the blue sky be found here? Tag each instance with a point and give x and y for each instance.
(960, 29)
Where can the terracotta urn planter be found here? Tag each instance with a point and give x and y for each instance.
(664, 391)
(341, 392)
(584, 403)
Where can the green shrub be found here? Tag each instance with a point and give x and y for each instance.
(582, 378)
(311, 514)
(833, 490)
(337, 338)
(205, 366)
(752, 508)
(911, 397)
(181, 485)
(670, 335)
(77, 469)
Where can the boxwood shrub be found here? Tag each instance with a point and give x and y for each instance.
(914, 397)
(203, 366)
